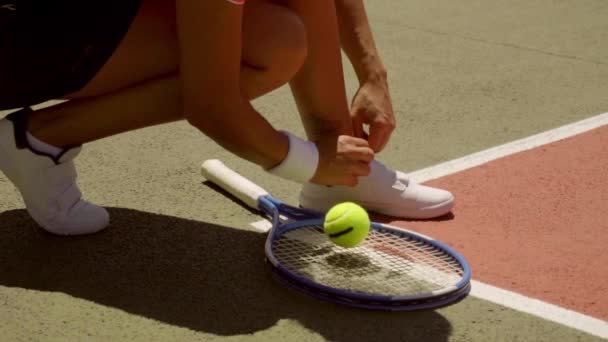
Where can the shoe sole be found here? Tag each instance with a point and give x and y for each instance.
(431, 212)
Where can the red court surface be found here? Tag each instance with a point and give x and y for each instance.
(536, 222)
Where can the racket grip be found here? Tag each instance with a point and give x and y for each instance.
(237, 185)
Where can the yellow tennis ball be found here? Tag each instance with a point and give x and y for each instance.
(346, 224)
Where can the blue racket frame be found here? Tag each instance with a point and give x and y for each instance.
(298, 217)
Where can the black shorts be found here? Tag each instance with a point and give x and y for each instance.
(50, 48)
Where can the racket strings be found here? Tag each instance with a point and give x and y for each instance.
(386, 263)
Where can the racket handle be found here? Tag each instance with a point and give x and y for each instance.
(240, 187)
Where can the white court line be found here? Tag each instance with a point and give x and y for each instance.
(509, 299)
(516, 301)
(541, 309)
(513, 147)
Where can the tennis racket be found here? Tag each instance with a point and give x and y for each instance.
(393, 269)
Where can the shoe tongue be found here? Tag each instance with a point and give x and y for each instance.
(381, 176)
(404, 178)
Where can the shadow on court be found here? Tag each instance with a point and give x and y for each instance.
(186, 273)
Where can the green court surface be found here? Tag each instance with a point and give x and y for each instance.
(180, 261)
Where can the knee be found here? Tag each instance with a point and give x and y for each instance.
(283, 48)
(291, 46)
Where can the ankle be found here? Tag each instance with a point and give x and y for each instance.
(42, 146)
(318, 129)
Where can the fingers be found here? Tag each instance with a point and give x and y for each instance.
(380, 128)
(359, 142)
(372, 106)
(344, 163)
(358, 130)
(362, 154)
(355, 171)
(350, 181)
(361, 169)
(379, 135)
(356, 149)
(346, 143)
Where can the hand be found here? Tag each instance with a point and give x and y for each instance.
(342, 160)
(372, 106)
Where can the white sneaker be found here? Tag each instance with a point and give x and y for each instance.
(47, 184)
(385, 192)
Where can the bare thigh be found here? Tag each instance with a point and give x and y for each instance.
(150, 48)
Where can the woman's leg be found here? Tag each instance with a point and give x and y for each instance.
(139, 85)
(320, 94)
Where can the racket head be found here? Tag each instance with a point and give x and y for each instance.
(288, 220)
(393, 269)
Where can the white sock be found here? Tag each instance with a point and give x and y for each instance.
(43, 147)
